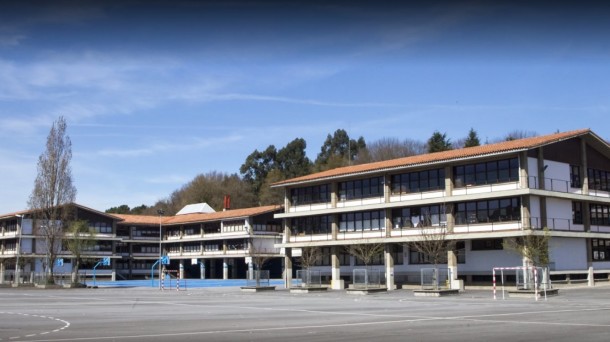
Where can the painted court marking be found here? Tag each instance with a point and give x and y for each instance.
(66, 324)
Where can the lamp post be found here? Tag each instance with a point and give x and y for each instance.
(18, 249)
(160, 212)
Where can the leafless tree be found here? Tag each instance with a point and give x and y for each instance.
(310, 256)
(433, 246)
(78, 239)
(365, 251)
(432, 243)
(533, 247)
(53, 192)
(260, 257)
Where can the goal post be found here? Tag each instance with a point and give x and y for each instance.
(528, 272)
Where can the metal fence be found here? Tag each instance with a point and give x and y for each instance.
(258, 278)
(435, 278)
(308, 278)
(364, 278)
(39, 278)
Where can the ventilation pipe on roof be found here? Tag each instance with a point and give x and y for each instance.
(226, 203)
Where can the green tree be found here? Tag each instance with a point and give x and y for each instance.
(389, 148)
(53, 192)
(438, 142)
(256, 167)
(292, 160)
(338, 150)
(78, 239)
(121, 209)
(472, 139)
(519, 134)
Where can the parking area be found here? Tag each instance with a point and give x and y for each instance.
(227, 314)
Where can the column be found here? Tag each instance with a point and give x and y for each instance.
(250, 270)
(584, 167)
(181, 269)
(1, 272)
(336, 282)
(389, 267)
(542, 185)
(288, 268)
(202, 269)
(225, 268)
(456, 284)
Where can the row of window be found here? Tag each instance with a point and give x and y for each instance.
(599, 214)
(496, 210)
(428, 180)
(600, 248)
(233, 226)
(485, 211)
(498, 171)
(361, 188)
(416, 257)
(362, 221)
(310, 194)
(145, 232)
(424, 216)
(597, 179)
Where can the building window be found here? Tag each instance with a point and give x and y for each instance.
(310, 194)
(497, 210)
(577, 212)
(599, 180)
(192, 248)
(362, 221)
(497, 171)
(311, 225)
(102, 227)
(600, 249)
(486, 245)
(575, 180)
(211, 246)
(325, 259)
(600, 215)
(460, 251)
(425, 216)
(428, 180)
(361, 188)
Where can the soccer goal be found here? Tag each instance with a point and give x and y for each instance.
(526, 278)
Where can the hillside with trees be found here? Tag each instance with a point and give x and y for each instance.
(251, 186)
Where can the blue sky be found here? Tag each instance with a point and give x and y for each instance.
(156, 92)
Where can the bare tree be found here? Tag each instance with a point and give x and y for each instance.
(260, 257)
(533, 247)
(433, 246)
(53, 192)
(310, 256)
(366, 252)
(432, 243)
(78, 239)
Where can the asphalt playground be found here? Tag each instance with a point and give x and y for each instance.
(144, 313)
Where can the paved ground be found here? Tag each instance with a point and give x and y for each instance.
(227, 314)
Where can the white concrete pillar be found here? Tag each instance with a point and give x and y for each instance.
(336, 282)
(389, 267)
(288, 268)
(225, 268)
(456, 284)
(181, 269)
(250, 270)
(202, 269)
(591, 277)
(1, 272)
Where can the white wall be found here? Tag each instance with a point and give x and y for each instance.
(568, 253)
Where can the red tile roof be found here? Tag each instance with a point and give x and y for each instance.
(477, 151)
(192, 218)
